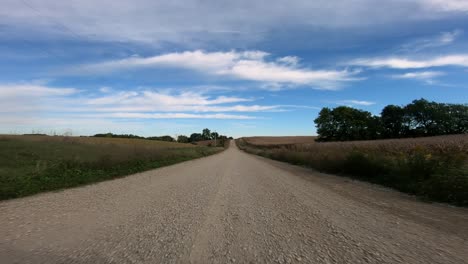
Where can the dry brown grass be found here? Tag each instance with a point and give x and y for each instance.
(431, 167)
(439, 143)
(263, 141)
(101, 141)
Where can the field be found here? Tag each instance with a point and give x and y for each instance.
(32, 164)
(434, 168)
(265, 141)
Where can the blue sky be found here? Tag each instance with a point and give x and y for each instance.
(238, 67)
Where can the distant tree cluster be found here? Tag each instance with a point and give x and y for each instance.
(111, 135)
(162, 138)
(418, 119)
(206, 134)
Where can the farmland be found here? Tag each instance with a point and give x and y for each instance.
(434, 168)
(269, 141)
(32, 164)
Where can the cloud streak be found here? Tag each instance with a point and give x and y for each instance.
(443, 39)
(177, 116)
(459, 60)
(191, 20)
(29, 101)
(446, 5)
(247, 65)
(356, 102)
(425, 75)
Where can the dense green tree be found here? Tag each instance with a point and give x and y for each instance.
(418, 118)
(183, 139)
(346, 123)
(196, 137)
(162, 138)
(206, 134)
(394, 122)
(456, 119)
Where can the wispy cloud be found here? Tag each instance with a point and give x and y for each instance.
(192, 21)
(355, 102)
(177, 116)
(446, 5)
(289, 60)
(32, 90)
(460, 60)
(425, 75)
(442, 39)
(31, 100)
(247, 65)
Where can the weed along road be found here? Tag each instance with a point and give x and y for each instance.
(226, 208)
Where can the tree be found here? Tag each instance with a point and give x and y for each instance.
(206, 134)
(394, 122)
(346, 123)
(420, 114)
(182, 139)
(214, 135)
(196, 137)
(326, 128)
(418, 118)
(162, 138)
(457, 119)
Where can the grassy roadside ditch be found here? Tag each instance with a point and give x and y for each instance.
(29, 165)
(434, 168)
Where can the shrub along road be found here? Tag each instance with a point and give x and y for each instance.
(230, 207)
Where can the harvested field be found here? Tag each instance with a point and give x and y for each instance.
(280, 140)
(435, 168)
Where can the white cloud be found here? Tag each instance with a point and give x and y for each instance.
(289, 60)
(460, 60)
(177, 116)
(449, 37)
(32, 90)
(27, 106)
(356, 102)
(248, 65)
(442, 39)
(105, 89)
(148, 100)
(446, 5)
(191, 20)
(425, 75)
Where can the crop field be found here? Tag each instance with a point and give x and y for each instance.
(265, 141)
(32, 164)
(434, 168)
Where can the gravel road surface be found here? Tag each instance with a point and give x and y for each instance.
(231, 208)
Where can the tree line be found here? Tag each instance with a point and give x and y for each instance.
(419, 118)
(206, 134)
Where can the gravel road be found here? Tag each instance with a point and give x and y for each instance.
(231, 208)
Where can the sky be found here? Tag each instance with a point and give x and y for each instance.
(241, 68)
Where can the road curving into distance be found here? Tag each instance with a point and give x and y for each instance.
(231, 207)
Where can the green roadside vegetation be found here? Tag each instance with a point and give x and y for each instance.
(33, 164)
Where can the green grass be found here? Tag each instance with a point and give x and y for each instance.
(30, 165)
(432, 168)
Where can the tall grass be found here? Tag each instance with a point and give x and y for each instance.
(435, 168)
(29, 165)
